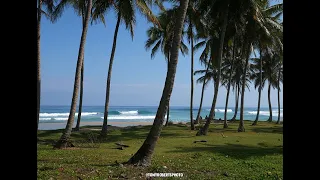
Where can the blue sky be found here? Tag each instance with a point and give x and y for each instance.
(136, 78)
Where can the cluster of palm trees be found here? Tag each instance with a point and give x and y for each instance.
(227, 31)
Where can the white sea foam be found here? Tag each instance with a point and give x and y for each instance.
(61, 119)
(52, 119)
(131, 117)
(266, 113)
(45, 119)
(128, 112)
(220, 110)
(66, 114)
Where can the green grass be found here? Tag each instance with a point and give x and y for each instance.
(227, 154)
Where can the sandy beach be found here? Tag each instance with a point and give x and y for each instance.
(50, 126)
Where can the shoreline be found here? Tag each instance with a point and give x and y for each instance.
(62, 125)
(53, 126)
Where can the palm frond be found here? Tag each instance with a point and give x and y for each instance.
(145, 10)
(273, 9)
(155, 49)
(199, 45)
(149, 43)
(183, 48)
(126, 9)
(58, 11)
(99, 9)
(160, 5)
(275, 24)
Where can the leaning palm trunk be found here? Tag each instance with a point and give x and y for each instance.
(259, 98)
(143, 155)
(106, 106)
(168, 110)
(77, 128)
(258, 110)
(204, 130)
(241, 124)
(225, 124)
(237, 94)
(269, 100)
(64, 140)
(38, 62)
(278, 122)
(191, 98)
(202, 92)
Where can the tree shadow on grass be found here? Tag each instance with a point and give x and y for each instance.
(123, 134)
(278, 130)
(48, 133)
(236, 151)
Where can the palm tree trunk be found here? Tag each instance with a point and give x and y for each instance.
(191, 96)
(269, 100)
(38, 62)
(241, 124)
(168, 110)
(80, 101)
(237, 102)
(106, 107)
(64, 140)
(259, 98)
(258, 110)
(202, 92)
(225, 124)
(204, 130)
(77, 128)
(143, 155)
(278, 122)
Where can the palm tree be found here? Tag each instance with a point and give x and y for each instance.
(49, 7)
(64, 139)
(143, 155)
(190, 38)
(272, 15)
(161, 38)
(280, 79)
(258, 82)
(208, 74)
(228, 63)
(269, 74)
(238, 72)
(204, 83)
(81, 11)
(191, 19)
(258, 22)
(224, 15)
(126, 12)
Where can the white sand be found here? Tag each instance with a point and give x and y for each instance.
(47, 126)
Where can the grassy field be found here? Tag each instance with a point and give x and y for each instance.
(227, 154)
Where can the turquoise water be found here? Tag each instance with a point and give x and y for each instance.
(58, 114)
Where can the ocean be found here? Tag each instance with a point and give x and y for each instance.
(49, 115)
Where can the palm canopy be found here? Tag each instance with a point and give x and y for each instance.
(271, 63)
(161, 38)
(47, 8)
(207, 76)
(127, 10)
